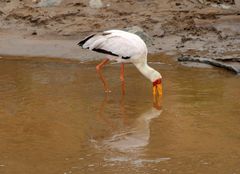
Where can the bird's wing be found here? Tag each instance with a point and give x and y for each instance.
(112, 43)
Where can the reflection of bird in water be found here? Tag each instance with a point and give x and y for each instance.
(135, 137)
(123, 47)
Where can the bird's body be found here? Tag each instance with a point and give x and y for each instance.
(118, 45)
(123, 47)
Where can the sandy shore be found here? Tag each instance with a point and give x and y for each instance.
(198, 28)
(25, 47)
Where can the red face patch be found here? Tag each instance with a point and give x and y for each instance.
(157, 82)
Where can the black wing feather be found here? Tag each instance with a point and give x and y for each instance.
(109, 53)
(81, 43)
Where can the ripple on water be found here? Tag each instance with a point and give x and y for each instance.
(135, 162)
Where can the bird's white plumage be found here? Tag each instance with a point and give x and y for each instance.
(120, 43)
(123, 47)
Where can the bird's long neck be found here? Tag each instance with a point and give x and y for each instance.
(147, 71)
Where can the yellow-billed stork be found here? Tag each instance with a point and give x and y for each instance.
(123, 47)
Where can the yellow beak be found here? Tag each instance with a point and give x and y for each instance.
(157, 89)
(157, 96)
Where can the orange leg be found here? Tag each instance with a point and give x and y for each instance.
(99, 68)
(122, 78)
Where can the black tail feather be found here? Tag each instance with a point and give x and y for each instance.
(81, 43)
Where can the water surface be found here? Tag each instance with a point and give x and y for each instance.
(55, 118)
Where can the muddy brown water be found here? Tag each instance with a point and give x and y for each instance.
(56, 119)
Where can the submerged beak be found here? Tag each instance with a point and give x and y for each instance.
(157, 102)
(157, 87)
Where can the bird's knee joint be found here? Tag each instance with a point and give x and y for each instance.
(97, 68)
(122, 79)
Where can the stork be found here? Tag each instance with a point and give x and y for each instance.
(123, 47)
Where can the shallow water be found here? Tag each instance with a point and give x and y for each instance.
(55, 118)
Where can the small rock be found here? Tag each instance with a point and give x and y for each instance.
(95, 4)
(48, 3)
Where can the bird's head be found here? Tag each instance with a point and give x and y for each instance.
(156, 79)
(153, 75)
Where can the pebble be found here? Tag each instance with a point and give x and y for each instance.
(95, 4)
(48, 3)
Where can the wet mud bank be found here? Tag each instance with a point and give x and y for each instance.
(61, 49)
(51, 28)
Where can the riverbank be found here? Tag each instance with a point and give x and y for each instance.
(208, 29)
